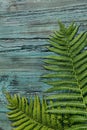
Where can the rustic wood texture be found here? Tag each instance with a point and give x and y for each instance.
(24, 29)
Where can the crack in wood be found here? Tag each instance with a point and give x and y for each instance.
(34, 38)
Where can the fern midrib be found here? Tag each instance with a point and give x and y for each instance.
(76, 75)
(77, 81)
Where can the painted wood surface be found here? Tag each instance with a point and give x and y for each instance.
(24, 29)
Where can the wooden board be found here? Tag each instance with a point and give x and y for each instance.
(24, 29)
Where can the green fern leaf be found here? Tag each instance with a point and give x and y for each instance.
(67, 73)
(28, 115)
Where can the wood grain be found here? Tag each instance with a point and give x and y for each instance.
(24, 30)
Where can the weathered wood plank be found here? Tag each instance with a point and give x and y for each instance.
(24, 30)
(18, 5)
(39, 24)
(4, 123)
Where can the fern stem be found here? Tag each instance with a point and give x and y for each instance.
(76, 75)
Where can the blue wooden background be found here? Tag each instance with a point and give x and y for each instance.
(24, 29)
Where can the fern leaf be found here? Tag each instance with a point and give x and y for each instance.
(73, 33)
(68, 72)
(31, 104)
(28, 115)
(35, 108)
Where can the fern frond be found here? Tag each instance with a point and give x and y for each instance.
(79, 127)
(67, 72)
(28, 115)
